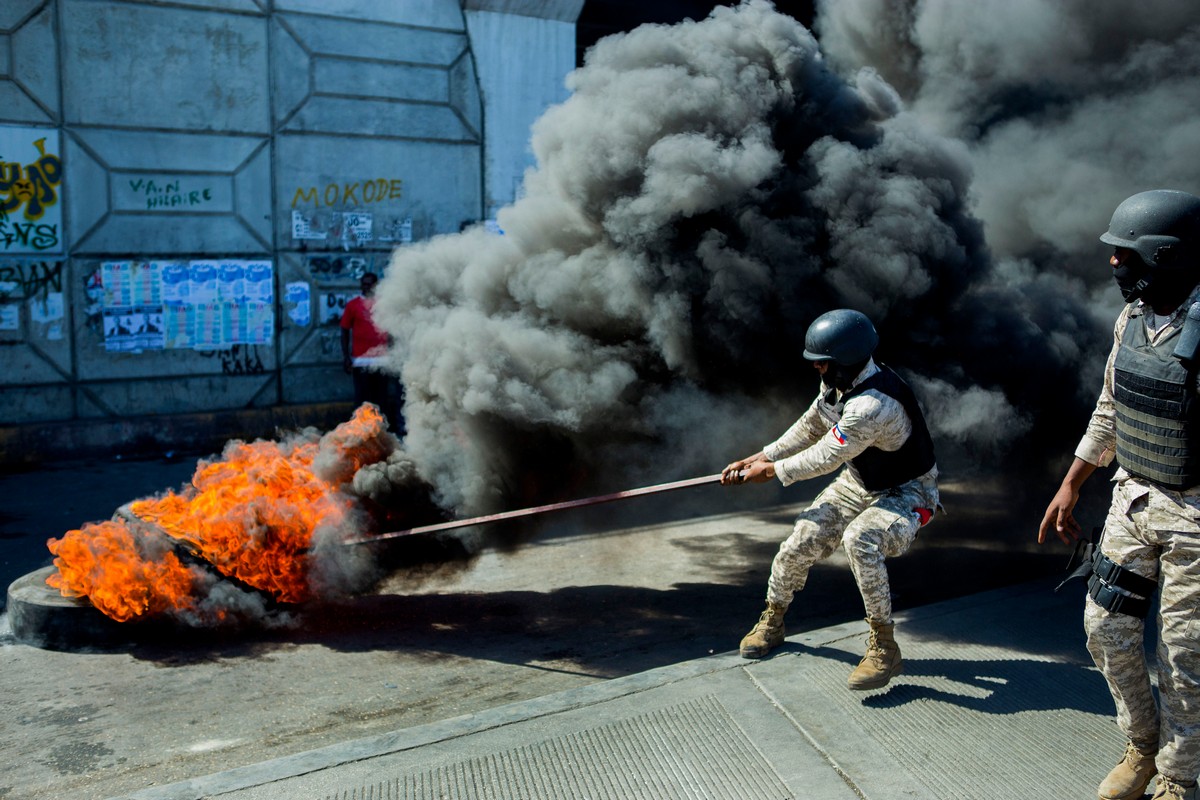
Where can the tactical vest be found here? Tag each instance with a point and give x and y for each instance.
(1156, 407)
(880, 469)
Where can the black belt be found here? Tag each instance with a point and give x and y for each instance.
(1107, 596)
(1112, 586)
(1109, 583)
(1114, 574)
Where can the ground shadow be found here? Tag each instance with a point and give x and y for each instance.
(1000, 686)
(602, 630)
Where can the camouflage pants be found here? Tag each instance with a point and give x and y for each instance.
(872, 527)
(1155, 533)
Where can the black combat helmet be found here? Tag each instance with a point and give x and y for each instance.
(1162, 226)
(843, 336)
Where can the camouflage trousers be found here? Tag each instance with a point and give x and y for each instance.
(871, 526)
(1155, 533)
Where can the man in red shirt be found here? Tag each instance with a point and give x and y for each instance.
(363, 349)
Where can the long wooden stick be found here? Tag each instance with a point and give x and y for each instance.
(529, 512)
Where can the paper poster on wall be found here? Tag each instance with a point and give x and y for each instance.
(31, 191)
(331, 305)
(206, 331)
(357, 226)
(150, 328)
(298, 296)
(260, 283)
(306, 227)
(396, 230)
(233, 323)
(131, 283)
(204, 304)
(113, 277)
(10, 317)
(179, 325)
(119, 329)
(132, 306)
(203, 282)
(174, 280)
(260, 322)
(231, 281)
(46, 309)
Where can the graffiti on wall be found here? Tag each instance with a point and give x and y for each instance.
(28, 278)
(339, 213)
(340, 268)
(240, 359)
(170, 194)
(31, 176)
(36, 285)
(350, 193)
(331, 305)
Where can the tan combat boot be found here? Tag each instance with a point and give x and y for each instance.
(1168, 789)
(882, 660)
(766, 635)
(1129, 779)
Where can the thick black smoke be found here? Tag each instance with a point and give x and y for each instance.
(707, 190)
(1066, 106)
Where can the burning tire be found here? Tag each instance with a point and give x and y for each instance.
(40, 616)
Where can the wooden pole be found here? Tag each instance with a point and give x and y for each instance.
(529, 512)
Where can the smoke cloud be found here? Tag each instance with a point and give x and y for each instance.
(709, 188)
(1067, 107)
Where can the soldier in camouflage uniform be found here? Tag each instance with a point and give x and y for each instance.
(1148, 417)
(866, 418)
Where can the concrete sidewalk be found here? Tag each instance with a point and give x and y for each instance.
(998, 700)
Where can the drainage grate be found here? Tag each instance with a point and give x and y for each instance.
(689, 751)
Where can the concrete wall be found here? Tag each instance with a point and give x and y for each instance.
(517, 90)
(190, 191)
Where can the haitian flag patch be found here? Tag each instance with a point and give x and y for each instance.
(837, 434)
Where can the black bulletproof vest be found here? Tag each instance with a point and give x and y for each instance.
(880, 469)
(1156, 407)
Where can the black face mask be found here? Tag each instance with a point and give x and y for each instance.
(842, 377)
(1160, 287)
(1132, 279)
(1165, 284)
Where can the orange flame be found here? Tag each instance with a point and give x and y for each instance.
(104, 562)
(251, 514)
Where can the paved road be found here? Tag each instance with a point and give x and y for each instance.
(998, 701)
(594, 595)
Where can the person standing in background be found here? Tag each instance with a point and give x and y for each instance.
(363, 349)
